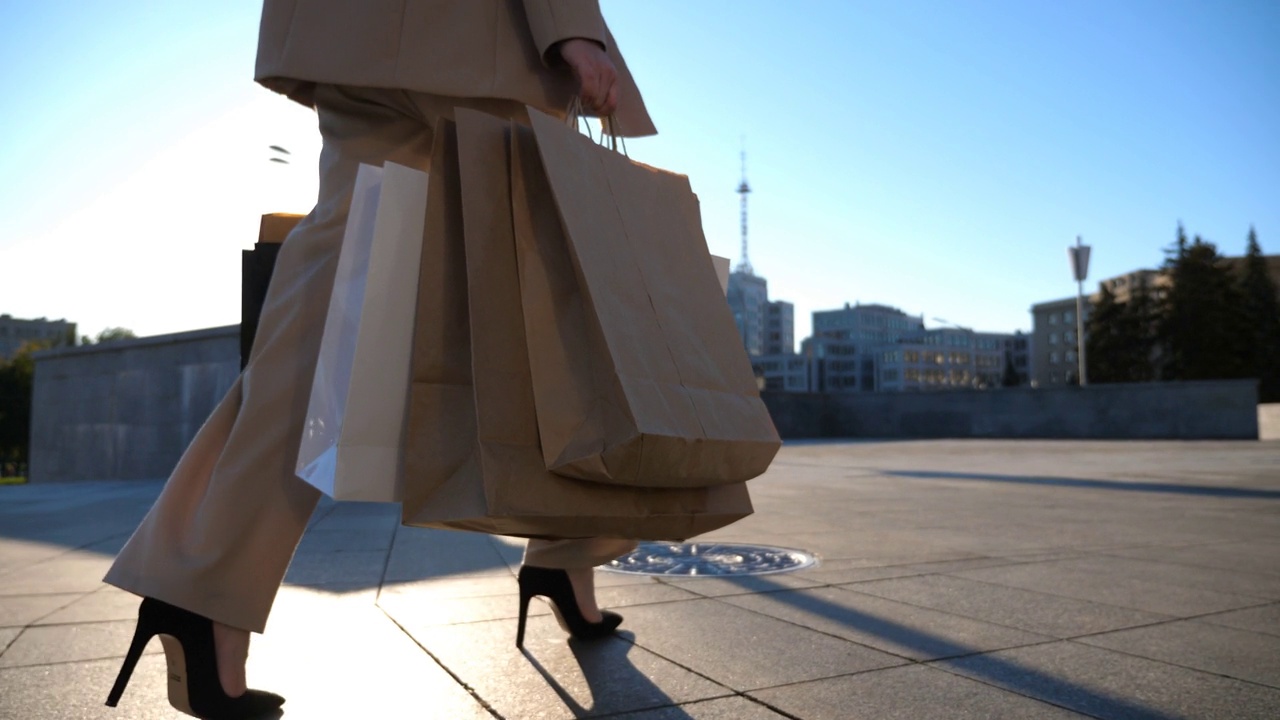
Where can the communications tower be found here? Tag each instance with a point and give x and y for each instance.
(744, 265)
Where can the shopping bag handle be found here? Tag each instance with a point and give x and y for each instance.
(575, 114)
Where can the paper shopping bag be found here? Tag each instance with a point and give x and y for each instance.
(639, 373)
(355, 419)
(472, 456)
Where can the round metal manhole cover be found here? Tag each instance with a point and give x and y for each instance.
(710, 559)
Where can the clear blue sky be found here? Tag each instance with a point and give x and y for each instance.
(934, 155)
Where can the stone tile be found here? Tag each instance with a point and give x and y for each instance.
(70, 643)
(467, 586)
(558, 678)
(78, 690)
(730, 708)
(421, 554)
(1264, 619)
(1111, 685)
(746, 650)
(17, 554)
(843, 572)
(1260, 585)
(621, 596)
(339, 656)
(908, 693)
(319, 541)
(1225, 651)
(23, 610)
(7, 636)
(106, 604)
(424, 611)
(894, 627)
(339, 568)
(1110, 588)
(743, 585)
(1249, 557)
(67, 573)
(1052, 615)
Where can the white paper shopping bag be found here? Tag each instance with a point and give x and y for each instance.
(351, 446)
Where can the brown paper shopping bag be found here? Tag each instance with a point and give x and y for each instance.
(473, 460)
(639, 373)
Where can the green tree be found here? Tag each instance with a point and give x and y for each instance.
(1260, 309)
(1142, 318)
(1106, 335)
(115, 333)
(17, 376)
(1011, 378)
(1200, 331)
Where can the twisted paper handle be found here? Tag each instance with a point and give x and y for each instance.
(607, 126)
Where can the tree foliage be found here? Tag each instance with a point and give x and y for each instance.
(1260, 309)
(1201, 331)
(17, 376)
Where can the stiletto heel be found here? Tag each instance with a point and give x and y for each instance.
(554, 585)
(194, 687)
(141, 636)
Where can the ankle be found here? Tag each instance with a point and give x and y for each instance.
(584, 591)
(231, 648)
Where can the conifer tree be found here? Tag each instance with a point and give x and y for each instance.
(1201, 331)
(1260, 310)
(1141, 319)
(1105, 339)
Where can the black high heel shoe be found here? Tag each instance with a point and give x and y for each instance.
(194, 687)
(555, 586)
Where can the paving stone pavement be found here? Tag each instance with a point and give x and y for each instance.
(958, 579)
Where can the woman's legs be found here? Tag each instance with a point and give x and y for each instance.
(219, 538)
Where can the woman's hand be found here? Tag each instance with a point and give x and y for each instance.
(596, 75)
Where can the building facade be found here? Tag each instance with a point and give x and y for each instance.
(1054, 345)
(15, 332)
(779, 328)
(748, 298)
(766, 328)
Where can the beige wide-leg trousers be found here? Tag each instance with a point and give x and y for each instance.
(219, 538)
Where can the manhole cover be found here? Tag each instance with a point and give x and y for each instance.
(711, 559)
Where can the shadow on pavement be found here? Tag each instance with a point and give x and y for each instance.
(615, 684)
(1128, 486)
(984, 667)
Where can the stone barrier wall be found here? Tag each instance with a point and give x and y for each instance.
(126, 410)
(1217, 409)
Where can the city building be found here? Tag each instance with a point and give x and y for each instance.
(1054, 346)
(866, 325)
(779, 328)
(748, 298)
(941, 359)
(872, 348)
(15, 332)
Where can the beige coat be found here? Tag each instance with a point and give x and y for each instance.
(455, 48)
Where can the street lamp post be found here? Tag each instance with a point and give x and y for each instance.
(1080, 269)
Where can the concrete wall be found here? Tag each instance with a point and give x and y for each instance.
(1269, 421)
(126, 410)
(1225, 409)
